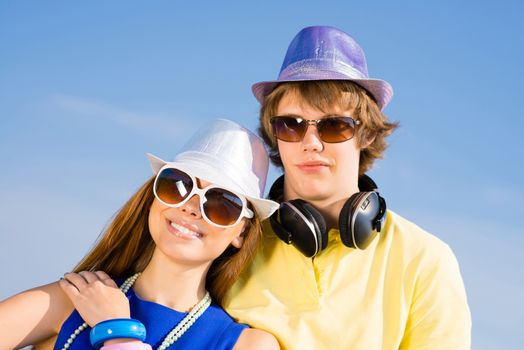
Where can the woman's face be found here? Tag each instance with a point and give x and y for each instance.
(182, 234)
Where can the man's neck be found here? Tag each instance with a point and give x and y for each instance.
(330, 210)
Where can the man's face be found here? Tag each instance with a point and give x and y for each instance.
(316, 171)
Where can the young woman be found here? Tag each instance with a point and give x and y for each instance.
(181, 240)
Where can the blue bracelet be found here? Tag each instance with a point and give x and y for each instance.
(116, 328)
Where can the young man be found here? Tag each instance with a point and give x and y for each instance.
(324, 278)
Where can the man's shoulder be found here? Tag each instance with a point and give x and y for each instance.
(398, 236)
(403, 232)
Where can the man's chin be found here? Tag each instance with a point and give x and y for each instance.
(315, 195)
(310, 190)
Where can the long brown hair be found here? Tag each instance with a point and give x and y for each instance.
(226, 269)
(324, 95)
(126, 246)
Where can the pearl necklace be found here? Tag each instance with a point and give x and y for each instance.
(172, 336)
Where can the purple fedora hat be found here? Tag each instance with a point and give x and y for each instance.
(326, 53)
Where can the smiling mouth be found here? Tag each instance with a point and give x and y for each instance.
(184, 232)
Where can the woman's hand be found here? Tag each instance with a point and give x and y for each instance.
(96, 296)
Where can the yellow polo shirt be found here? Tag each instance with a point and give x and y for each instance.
(404, 291)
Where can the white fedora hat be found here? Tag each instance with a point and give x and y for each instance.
(230, 156)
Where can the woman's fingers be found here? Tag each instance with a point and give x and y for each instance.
(104, 277)
(76, 280)
(95, 296)
(68, 288)
(89, 277)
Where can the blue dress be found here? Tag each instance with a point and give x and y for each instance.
(214, 329)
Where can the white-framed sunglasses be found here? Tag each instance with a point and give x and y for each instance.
(219, 207)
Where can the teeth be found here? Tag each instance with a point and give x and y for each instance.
(185, 230)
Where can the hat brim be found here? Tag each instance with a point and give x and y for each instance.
(381, 90)
(263, 207)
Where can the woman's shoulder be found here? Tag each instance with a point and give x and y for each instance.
(46, 301)
(44, 308)
(253, 339)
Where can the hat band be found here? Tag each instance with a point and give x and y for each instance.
(318, 69)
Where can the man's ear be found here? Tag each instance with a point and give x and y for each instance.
(366, 141)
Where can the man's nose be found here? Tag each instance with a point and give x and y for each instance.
(311, 141)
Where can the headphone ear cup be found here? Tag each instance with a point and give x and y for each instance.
(357, 219)
(306, 225)
(315, 218)
(279, 229)
(344, 220)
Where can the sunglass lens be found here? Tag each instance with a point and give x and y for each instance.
(173, 186)
(289, 129)
(222, 207)
(336, 129)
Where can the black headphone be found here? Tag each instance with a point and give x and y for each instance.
(360, 219)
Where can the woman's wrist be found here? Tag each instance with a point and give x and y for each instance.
(117, 329)
(121, 340)
(132, 345)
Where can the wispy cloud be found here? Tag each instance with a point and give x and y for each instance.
(173, 125)
(38, 246)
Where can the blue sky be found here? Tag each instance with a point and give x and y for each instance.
(86, 89)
